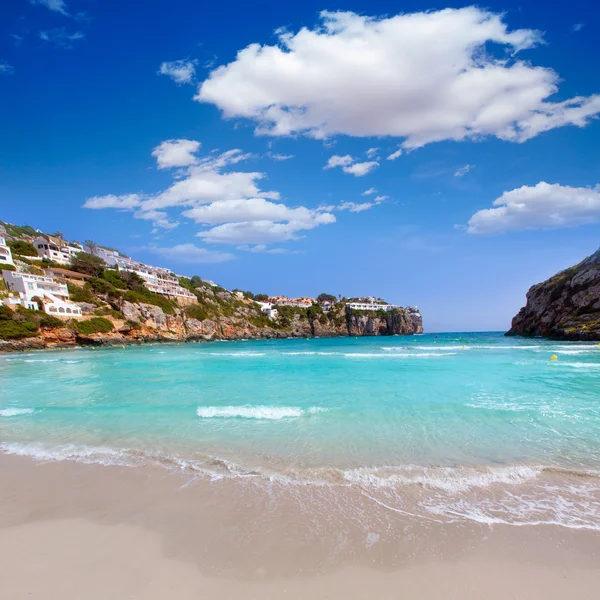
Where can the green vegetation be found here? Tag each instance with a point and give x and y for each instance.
(22, 322)
(108, 311)
(197, 311)
(82, 294)
(114, 278)
(101, 286)
(88, 264)
(22, 248)
(147, 297)
(321, 298)
(261, 297)
(19, 230)
(94, 325)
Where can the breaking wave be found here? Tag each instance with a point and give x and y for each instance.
(273, 413)
(518, 495)
(15, 412)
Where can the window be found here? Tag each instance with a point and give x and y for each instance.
(69, 310)
(52, 309)
(61, 310)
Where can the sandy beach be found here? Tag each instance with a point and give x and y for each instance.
(70, 531)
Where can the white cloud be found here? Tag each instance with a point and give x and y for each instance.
(395, 155)
(61, 38)
(180, 71)
(450, 74)
(189, 253)
(543, 206)
(54, 5)
(361, 168)
(262, 249)
(123, 202)
(463, 170)
(372, 152)
(245, 210)
(370, 192)
(6, 69)
(339, 161)
(207, 190)
(355, 207)
(577, 27)
(176, 153)
(348, 165)
(280, 157)
(262, 232)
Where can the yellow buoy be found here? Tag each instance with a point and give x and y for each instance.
(554, 357)
(463, 347)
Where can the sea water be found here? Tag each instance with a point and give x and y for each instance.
(452, 427)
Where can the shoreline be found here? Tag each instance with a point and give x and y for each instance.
(17, 346)
(69, 530)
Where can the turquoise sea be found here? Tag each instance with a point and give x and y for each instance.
(473, 426)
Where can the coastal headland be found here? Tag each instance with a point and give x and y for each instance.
(59, 294)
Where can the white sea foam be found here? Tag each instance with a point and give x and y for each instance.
(15, 412)
(40, 360)
(237, 354)
(399, 355)
(312, 353)
(72, 452)
(248, 411)
(448, 479)
(578, 365)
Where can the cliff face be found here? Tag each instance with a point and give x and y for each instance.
(145, 323)
(566, 306)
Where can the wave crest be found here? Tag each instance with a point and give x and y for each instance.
(273, 413)
(15, 412)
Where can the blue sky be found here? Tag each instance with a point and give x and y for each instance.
(237, 141)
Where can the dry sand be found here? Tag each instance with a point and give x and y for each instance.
(70, 531)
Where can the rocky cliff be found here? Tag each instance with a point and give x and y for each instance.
(118, 308)
(566, 306)
(135, 323)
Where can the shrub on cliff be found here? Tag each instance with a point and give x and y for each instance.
(94, 325)
(114, 278)
(15, 330)
(82, 294)
(145, 296)
(314, 311)
(87, 264)
(196, 311)
(22, 248)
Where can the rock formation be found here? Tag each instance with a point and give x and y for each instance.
(565, 307)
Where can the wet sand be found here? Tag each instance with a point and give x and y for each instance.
(85, 531)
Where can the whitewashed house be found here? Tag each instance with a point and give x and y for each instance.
(371, 306)
(54, 295)
(156, 279)
(56, 250)
(267, 309)
(5, 254)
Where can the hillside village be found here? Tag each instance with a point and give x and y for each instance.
(59, 293)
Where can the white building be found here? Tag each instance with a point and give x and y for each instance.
(5, 254)
(371, 306)
(110, 257)
(267, 309)
(54, 295)
(56, 250)
(157, 280)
